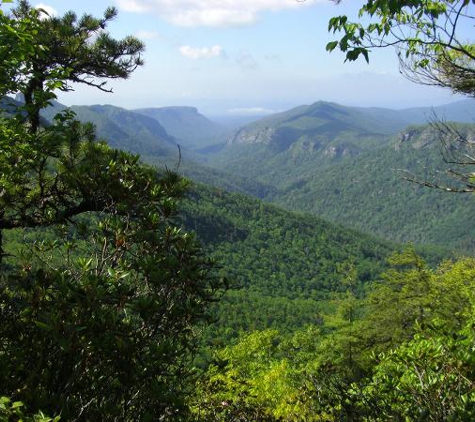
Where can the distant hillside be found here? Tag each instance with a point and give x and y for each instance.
(190, 128)
(320, 126)
(144, 135)
(307, 136)
(323, 123)
(368, 192)
(460, 111)
(327, 160)
(282, 146)
(283, 267)
(9, 105)
(124, 129)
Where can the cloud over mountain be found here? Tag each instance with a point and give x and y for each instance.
(196, 53)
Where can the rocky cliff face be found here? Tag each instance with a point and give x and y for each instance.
(339, 151)
(298, 142)
(417, 138)
(450, 136)
(244, 136)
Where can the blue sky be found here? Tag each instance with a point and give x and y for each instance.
(244, 56)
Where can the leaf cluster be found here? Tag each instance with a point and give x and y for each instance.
(347, 369)
(427, 35)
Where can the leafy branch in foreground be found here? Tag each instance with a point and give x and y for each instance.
(428, 36)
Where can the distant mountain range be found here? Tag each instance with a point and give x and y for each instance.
(324, 124)
(347, 165)
(343, 163)
(192, 129)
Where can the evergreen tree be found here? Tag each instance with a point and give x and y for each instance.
(98, 311)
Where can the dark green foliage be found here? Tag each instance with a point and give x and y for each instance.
(100, 291)
(282, 266)
(119, 333)
(117, 323)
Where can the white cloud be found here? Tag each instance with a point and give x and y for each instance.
(147, 35)
(201, 53)
(251, 111)
(246, 60)
(210, 12)
(51, 11)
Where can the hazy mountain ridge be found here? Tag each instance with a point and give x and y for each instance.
(317, 127)
(339, 162)
(192, 129)
(360, 187)
(330, 121)
(122, 128)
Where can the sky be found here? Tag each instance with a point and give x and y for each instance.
(238, 57)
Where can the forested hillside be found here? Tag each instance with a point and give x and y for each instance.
(371, 192)
(122, 128)
(283, 267)
(355, 177)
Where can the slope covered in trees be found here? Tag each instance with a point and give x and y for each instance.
(282, 267)
(370, 192)
(356, 178)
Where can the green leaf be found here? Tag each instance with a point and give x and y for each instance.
(331, 45)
